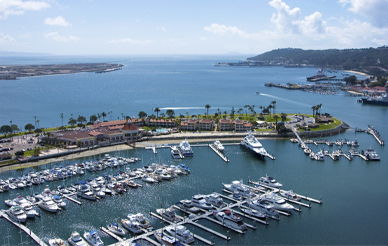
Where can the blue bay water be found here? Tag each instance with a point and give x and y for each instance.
(354, 192)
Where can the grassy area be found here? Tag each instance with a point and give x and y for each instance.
(323, 126)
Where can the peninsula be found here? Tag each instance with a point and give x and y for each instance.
(8, 72)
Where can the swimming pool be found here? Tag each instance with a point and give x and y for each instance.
(163, 130)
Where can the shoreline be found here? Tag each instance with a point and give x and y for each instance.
(359, 73)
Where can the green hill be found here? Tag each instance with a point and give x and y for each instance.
(369, 60)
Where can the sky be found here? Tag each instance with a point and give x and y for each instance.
(125, 27)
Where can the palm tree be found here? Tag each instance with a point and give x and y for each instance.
(276, 124)
(99, 116)
(269, 109)
(35, 121)
(273, 106)
(232, 112)
(320, 106)
(122, 116)
(62, 118)
(225, 113)
(261, 107)
(253, 109)
(239, 111)
(103, 114)
(207, 108)
(314, 108)
(111, 115)
(157, 110)
(246, 113)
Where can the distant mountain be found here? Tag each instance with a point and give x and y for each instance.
(12, 53)
(369, 60)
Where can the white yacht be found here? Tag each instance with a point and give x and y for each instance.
(269, 181)
(143, 223)
(131, 226)
(263, 206)
(168, 214)
(200, 202)
(58, 200)
(307, 151)
(175, 153)
(56, 242)
(164, 239)
(254, 213)
(16, 214)
(93, 238)
(253, 145)
(148, 179)
(87, 195)
(77, 240)
(290, 195)
(319, 156)
(371, 154)
(188, 205)
(217, 144)
(215, 200)
(185, 148)
(278, 202)
(181, 233)
(228, 218)
(29, 210)
(238, 187)
(48, 204)
(116, 229)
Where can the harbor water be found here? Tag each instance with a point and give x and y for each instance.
(354, 192)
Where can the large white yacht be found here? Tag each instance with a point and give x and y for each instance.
(181, 233)
(217, 144)
(139, 217)
(17, 214)
(269, 181)
(168, 214)
(215, 199)
(263, 206)
(228, 218)
(175, 153)
(253, 145)
(77, 240)
(200, 202)
(185, 148)
(371, 154)
(278, 202)
(48, 204)
(237, 186)
(93, 238)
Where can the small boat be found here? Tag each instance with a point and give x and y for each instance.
(56, 242)
(77, 240)
(87, 195)
(228, 218)
(175, 153)
(132, 226)
(269, 181)
(93, 238)
(10, 203)
(17, 214)
(29, 210)
(307, 151)
(148, 179)
(264, 207)
(181, 233)
(290, 195)
(48, 204)
(215, 200)
(143, 222)
(217, 144)
(58, 200)
(254, 213)
(164, 239)
(257, 93)
(200, 202)
(168, 214)
(236, 196)
(188, 206)
(371, 155)
(116, 229)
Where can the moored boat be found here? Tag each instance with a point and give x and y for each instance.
(228, 218)
(93, 238)
(253, 145)
(181, 233)
(116, 229)
(132, 226)
(76, 240)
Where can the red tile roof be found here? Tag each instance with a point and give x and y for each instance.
(129, 127)
(205, 121)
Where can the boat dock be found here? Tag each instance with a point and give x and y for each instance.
(219, 153)
(111, 234)
(72, 199)
(25, 229)
(302, 144)
(375, 134)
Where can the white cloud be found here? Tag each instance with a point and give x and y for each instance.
(6, 38)
(374, 10)
(18, 7)
(130, 41)
(58, 21)
(55, 36)
(222, 29)
(162, 28)
(203, 38)
(379, 41)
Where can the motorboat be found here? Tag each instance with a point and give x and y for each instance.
(21, 200)
(132, 226)
(175, 153)
(143, 223)
(185, 148)
(278, 202)
(290, 195)
(77, 240)
(148, 179)
(29, 210)
(161, 172)
(254, 213)
(48, 204)
(165, 239)
(93, 238)
(371, 154)
(307, 151)
(188, 206)
(116, 229)
(253, 145)
(87, 195)
(56, 242)
(269, 181)
(237, 196)
(17, 214)
(228, 218)
(183, 168)
(58, 200)
(181, 233)
(10, 203)
(355, 143)
(200, 202)
(263, 206)
(215, 200)
(217, 144)
(168, 214)
(237, 186)
(319, 156)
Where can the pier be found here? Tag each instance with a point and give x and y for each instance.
(302, 144)
(375, 134)
(25, 229)
(111, 234)
(219, 153)
(72, 199)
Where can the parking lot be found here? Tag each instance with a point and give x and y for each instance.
(299, 120)
(12, 145)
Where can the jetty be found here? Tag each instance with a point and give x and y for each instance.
(302, 144)
(24, 228)
(111, 234)
(219, 153)
(375, 134)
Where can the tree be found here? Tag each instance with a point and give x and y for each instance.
(170, 113)
(225, 113)
(93, 118)
(283, 116)
(246, 113)
(231, 112)
(142, 114)
(72, 122)
(62, 118)
(103, 114)
(81, 119)
(276, 120)
(99, 116)
(35, 121)
(29, 127)
(207, 108)
(14, 128)
(127, 118)
(273, 106)
(5, 129)
(314, 108)
(157, 110)
(162, 115)
(269, 109)
(253, 110)
(239, 111)
(350, 80)
(36, 151)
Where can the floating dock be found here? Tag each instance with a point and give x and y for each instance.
(25, 229)
(111, 234)
(219, 153)
(375, 134)
(72, 199)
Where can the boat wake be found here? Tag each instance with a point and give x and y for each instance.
(284, 99)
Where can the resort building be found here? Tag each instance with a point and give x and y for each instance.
(205, 125)
(242, 126)
(225, 125)
(159, 123)
(190, 125)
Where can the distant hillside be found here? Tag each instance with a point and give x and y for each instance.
(370, 60)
